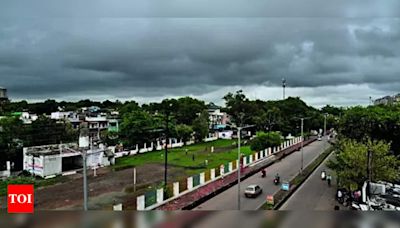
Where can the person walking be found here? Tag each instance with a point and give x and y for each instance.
(329, 179)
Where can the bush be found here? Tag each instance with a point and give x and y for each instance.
(265, 140)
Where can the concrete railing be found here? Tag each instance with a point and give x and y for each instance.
(194, 182)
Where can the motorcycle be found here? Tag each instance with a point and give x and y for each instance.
(323, 175)
(276, 180)
(263, 174)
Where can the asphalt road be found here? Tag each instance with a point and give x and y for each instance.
(287, 168)
(314, 194)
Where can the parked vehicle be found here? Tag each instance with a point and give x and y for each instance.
(252, 191)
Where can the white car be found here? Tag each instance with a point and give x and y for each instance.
(252, 191)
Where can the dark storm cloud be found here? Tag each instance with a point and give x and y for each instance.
(55, 50)
(201, 8)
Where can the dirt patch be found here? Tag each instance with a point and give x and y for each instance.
(108, 186)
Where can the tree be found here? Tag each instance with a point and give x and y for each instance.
(186, 110)
(240, 108)
(375, 122)
(139, 127)
(10, 130)
(350, 163)
(184, 132)
(201, 126)
(265, 140)
(45, 131)
(109, 138)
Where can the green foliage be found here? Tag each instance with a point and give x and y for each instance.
(201, 126)
(139, 127)
(350, 163)
(183, 132)
(273, 115)
(265, 140)
(46, 131)
(375, 122)
(109, 138)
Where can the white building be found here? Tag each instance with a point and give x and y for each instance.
(71, 117)
(28, 118)
(96, 125)
(52, 160)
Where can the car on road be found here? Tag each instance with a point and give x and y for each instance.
(252, 191)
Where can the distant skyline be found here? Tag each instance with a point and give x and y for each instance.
(339, 53)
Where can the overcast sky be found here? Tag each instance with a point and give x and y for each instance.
(330, 52)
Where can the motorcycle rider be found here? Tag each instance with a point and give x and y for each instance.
(277, 178)
(263, 173)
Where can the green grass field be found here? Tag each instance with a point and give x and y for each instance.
(225, 151)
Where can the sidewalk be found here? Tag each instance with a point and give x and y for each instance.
(204, 193)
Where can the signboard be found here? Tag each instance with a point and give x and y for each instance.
(285, 186)
(270, 200)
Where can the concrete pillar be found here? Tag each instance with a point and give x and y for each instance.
(176, 189)
(190, 183)
(170, 142)
(257, 156)
(140, 202)
(244, 161)
(222, 170)
(212, 174)
(237, 164)
(251, 159)
(145, 146)
(160, 195)
(202, 178)
(158, 144)
(151, 145)
(230, 166)
(8, 166)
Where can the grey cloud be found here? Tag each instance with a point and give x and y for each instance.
(155, 57)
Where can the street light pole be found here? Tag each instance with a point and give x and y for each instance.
(325, 115)
(239, 166)
(85, 195)
(302, 144)
(166, 152)
(284, 87)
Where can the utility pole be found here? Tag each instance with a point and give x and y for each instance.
(239, 167)
(85, 190)
(166, 144)
(284, 87)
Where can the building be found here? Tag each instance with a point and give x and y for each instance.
(96, 125)
(71, 117)
(52, 160)
(218, 120)
(3, 94)
(113, 125)
(388, 100)
(26, 117)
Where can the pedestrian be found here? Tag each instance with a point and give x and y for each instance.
(329, 179)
